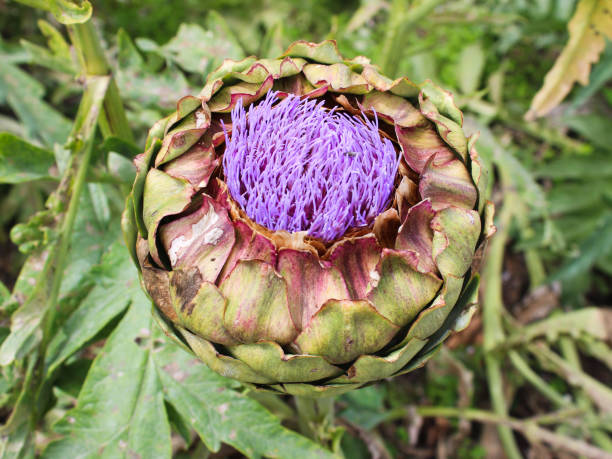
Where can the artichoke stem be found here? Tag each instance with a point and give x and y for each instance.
(316, 419)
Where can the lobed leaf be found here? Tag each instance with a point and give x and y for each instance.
(591, 22)
(120, 409)
(220, 414)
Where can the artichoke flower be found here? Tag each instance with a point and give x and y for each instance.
(306, 225)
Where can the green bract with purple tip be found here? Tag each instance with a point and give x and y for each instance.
(306, 225)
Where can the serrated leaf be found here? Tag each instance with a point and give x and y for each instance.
(55, 40)
(591, 22)
(221, 415)
(57, 56)
(21, 161)
(120, 409)
(601, 74)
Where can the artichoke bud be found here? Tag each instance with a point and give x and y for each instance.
(307, 225)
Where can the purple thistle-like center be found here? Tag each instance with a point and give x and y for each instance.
(294, 165)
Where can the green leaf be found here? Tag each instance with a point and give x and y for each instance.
(596, 246)
(88, 241)
(12, 54)
(55, 40)
(576, 227)
(595, 128)
(41, 56)
(65, 11)
(589, 195)
(116, 285)
(11, 126)
(143, 86)
(26, 321)
(21, 161)
(120, 409)
(90, 238)
(583, 167)
(16, 436)
(57, 56)
(219, 414)
(505, 159)
(24, 95)
(197, 50)
(121, 168)
(365, 406)
(120, 146)
(29, 297)
(470, 67)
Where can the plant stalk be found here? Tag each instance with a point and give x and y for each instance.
(570, 354)
(113, 120)
(529, 428)
(401, 15)
(536, 380)
(316, 418)
(492, 323)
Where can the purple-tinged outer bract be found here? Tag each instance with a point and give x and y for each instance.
(297, 166)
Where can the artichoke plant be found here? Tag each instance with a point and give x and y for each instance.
(307, 225)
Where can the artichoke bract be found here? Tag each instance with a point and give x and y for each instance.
(306, 225)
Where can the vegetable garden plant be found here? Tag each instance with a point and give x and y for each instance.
(299, 230)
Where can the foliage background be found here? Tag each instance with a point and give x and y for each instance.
(531, 374)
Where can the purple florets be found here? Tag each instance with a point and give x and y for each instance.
(297, 166)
